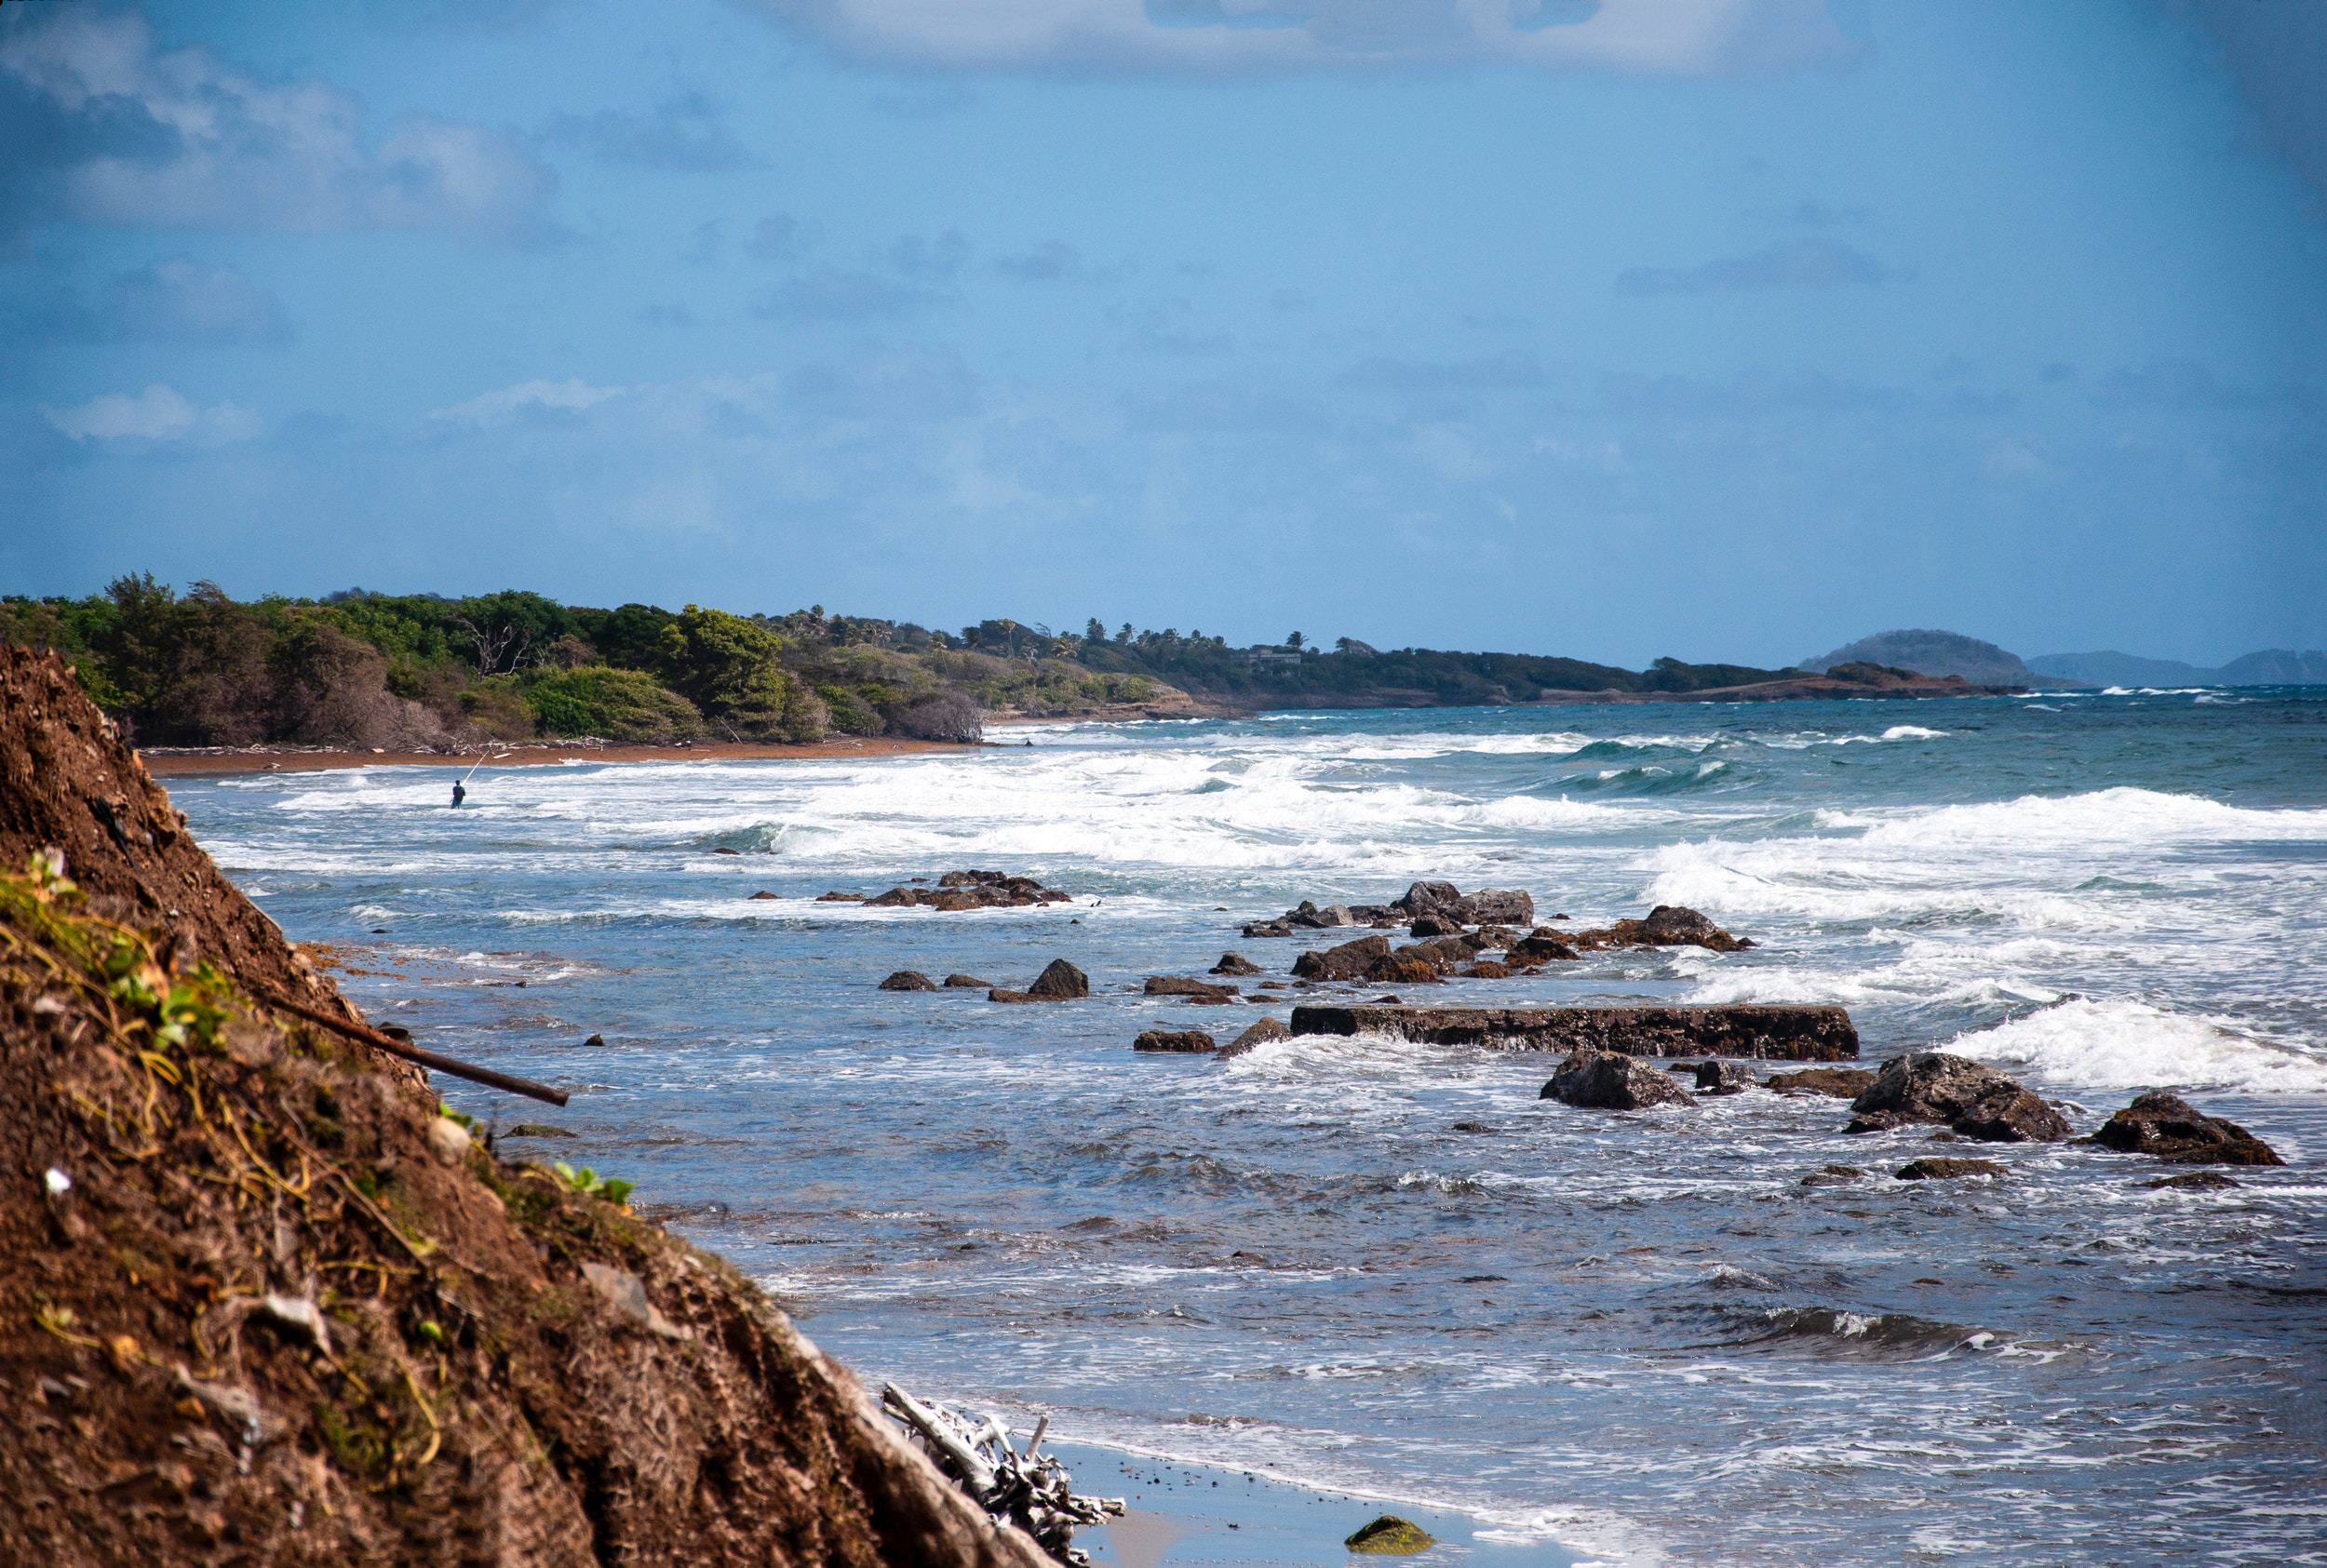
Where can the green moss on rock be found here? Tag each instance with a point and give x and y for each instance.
(1391, 1536)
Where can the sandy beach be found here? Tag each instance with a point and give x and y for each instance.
(208, 761)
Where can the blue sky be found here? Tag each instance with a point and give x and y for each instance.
(1722, 328)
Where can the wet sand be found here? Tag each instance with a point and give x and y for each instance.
(1205, 1516)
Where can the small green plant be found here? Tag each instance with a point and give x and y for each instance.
(612, 1188)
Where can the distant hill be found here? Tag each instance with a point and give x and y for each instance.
(1933, 653)
(2273, 666)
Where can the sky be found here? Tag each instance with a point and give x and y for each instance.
(1724, 330)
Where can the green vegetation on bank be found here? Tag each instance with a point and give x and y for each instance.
(418, 670)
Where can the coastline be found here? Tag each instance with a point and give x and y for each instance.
(222, 761)
(201, 761)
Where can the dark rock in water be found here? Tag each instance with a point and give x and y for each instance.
(1060, 981)
(1306, 916)
(594, 1039)
(1763, 1031)
(1539, 945)
(1832, 1175)
(1349, 961)
(1428, 898)
(1936, 1168)
(763, 894)
(1405, 968)
(1267, 928)
(723, 849)
(1969, 1096)
(1261, 1033)
(967, 983)
(1487, 969)
(537, 1130)
(1435, 925)
(1391, 1536)
(1723, 1078)
(1606, 1081)
(1668, 925)
(1194, 990)
(1235, 963)
(839, 898)
(1842, 1083)
(972, 890)
(2167, 1127)
(1441, 952)
(1493, 907)
(908, 980)
(1473, 1127)
(1186, 1042)
(2196, 1181)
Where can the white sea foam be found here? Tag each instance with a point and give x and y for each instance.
(2122, 1044)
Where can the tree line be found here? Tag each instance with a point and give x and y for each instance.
(427, 671)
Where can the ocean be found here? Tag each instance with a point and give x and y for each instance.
(1389, 1267)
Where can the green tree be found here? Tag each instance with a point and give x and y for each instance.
(727, 666)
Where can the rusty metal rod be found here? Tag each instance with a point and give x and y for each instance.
(394, 1047)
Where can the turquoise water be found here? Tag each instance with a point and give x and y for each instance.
(1640, 1336)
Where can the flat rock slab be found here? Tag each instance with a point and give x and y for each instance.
(1765, 1031)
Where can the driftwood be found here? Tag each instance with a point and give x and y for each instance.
(1033, 1493)
(394, 1047)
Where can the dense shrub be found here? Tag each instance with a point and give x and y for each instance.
(946, 716)
(613, 705)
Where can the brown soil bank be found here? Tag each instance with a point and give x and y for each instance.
(260, 1303)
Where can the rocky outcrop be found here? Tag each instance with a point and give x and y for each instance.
(1668, 925)
(967, 983)
(1541, 946)
(2166, 1127)
(1607, 1081)
(1425, 898)
(1403, 968)
(1934, 1168)
(908, 980)
(1841, 1083)
(2194, 1181)
(1832, 1175)
(1261, 1033)
(970, 890)
(1760, 1031)
(1236, 964)
(1194, 990)
(1184, 1042)
(1970, 1097)
(1430, 908)
(529, 1371)
(1348, 962)
(1723, 1078)
(1495, 906)
(1060, 981)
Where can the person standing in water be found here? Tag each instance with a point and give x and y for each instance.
(458, 795)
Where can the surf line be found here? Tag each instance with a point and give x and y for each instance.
(460, 785)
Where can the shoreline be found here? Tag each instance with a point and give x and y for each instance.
(1199, 1512)
(198, 761)
(224, 761)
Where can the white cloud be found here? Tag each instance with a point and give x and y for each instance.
(1671, 37)
(528, 399)
(159, 413)
(124, 132)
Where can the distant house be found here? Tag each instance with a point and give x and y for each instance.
(1272, 659)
